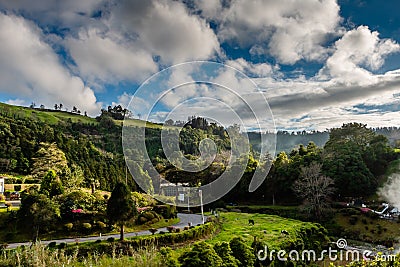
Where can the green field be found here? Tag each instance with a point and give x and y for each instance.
(266, 228)
(50, 117)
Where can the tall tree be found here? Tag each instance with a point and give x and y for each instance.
(314, 188)
(121, 207)
(37, 213)
(49, 157)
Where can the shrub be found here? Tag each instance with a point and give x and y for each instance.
(86, 227)
(170, 229)
(168, 259)
(224, 251)
(101, 225)
(68, 226)
(153, 231)
(110, 239)
(242, 252)
(62, 245)
(202, 254)
(98, 241)
(52, 244)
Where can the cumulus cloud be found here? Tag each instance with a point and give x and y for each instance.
(30, 69)
(167, 29)
(102, 59)
(50, 13)
(356, 51)
(288, 30)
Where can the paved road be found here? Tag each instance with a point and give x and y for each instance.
(185, 219)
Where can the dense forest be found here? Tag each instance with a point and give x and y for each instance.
(354, 156)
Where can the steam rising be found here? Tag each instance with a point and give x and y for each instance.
(391, 190)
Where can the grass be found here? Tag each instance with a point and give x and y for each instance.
(141, 123)
(373, 230)
(47, 116)
(54, 117)
(38, 255)
(237, 224)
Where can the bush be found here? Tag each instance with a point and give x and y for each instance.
(224, 251)
(153, 231)
(168, 259)
(110, 239)
(98, 241)
(166, 211)
(101, 225)
(62, 245)
(170, 229)
(86, 227)
(202, 254)
(52, 244)
(242, 252)
(68, 226)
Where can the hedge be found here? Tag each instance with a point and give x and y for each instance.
(158, 240)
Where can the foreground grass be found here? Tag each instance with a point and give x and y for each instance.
(39, 255)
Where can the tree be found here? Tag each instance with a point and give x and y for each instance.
(51, 185)
(314, 188)
(73, 177)
(55, 106)
(37, 212)
(49, 157)
(121, 207)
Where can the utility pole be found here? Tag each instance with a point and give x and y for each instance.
(201, 204)
(188, 191)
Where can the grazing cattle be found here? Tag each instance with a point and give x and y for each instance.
(251, 222)
(284, 232)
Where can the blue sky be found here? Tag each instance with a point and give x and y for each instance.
(319, 64)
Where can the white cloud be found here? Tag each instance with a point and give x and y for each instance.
(64, 14)
(166, 29)
(357, 50)
(31, 70)
(256, 70)
(289, 30)
(100, 59)
(16, 102)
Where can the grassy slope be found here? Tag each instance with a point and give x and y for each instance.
(54, 117)
(50, 117)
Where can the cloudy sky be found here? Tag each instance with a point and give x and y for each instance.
(317, 63)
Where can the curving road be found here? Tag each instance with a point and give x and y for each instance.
(185, 219)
